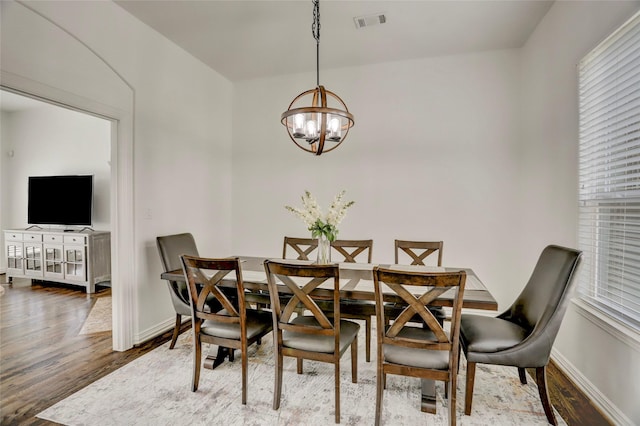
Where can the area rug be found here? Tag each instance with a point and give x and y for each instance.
(99, 319)
(155, 389)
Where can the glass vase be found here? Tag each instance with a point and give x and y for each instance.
(324, 250)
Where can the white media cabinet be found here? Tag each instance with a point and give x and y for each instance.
(72, 257)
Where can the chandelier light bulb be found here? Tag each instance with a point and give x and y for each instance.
(298, 126)
(312, 130)
(333, 132)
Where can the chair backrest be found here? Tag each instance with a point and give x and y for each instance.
(302, 246)
(171, 247)
(204, 277)
(417, 290)
(354, 250)
(418, 250)
(542, 303)
(296, 282)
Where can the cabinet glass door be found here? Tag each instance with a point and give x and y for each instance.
(53, 262)
(74, 263)
(33, 259)
(14, 257)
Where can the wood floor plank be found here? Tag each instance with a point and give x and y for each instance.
(43, 360)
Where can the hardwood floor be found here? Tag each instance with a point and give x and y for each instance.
(43, 360)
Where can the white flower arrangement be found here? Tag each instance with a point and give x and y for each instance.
(313, 217)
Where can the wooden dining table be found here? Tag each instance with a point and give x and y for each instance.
(356, 283)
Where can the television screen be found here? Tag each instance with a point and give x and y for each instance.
(60, 200)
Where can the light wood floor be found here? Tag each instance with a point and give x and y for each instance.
(43, 360)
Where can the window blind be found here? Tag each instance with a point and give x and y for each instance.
(609, 174)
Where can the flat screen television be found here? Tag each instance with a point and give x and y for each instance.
(60, 200)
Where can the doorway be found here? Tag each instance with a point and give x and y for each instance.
(40, 138)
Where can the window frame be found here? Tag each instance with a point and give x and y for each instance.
(601, 205)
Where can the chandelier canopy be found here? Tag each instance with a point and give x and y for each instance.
(317, 115)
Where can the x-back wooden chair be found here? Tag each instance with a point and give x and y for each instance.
(418, 250)
(234, 326)
(318, 336)
(354, 251)
(425, 351)
(303, 247)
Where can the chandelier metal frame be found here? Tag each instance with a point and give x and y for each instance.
(309, 127)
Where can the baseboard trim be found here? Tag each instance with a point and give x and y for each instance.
(603, 403)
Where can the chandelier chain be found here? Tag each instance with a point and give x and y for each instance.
(315, 29)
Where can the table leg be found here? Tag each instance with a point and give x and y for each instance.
(428, 403)
(211, 362)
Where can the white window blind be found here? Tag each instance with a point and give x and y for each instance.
(609, 197)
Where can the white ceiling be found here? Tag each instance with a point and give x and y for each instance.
(252, 39)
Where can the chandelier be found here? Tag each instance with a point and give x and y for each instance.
(317, 115)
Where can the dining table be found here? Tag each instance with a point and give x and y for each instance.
(356, 283)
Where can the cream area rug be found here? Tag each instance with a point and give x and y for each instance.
(155, 389)
(99, 319)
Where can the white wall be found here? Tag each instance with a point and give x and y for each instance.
(50, 140)
(433, 155)
(181, 125)
(4, 128)
(550, 179)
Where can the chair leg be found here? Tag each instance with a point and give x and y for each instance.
(277, 391)
(471, 376)
(380, 379)
(523, 375)
(232, 355)
(299, 365)
(452, 388)
(244, 373)
(197, 359)
(337, 390)
(541, 380)
(368, 339)
(354, 360)
(176, 331)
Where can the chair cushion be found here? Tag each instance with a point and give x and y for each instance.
(486, 334)
(315, 343)
(414, 357)
(257, 323)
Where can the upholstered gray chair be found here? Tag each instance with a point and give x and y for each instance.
(171, 247)
(523, 335)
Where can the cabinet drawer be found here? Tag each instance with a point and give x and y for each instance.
(32, 237)
(75, 239)
(13, 236)
(52, 238)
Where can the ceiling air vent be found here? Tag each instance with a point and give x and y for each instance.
(369, 20)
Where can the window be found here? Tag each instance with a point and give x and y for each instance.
(609, 196)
